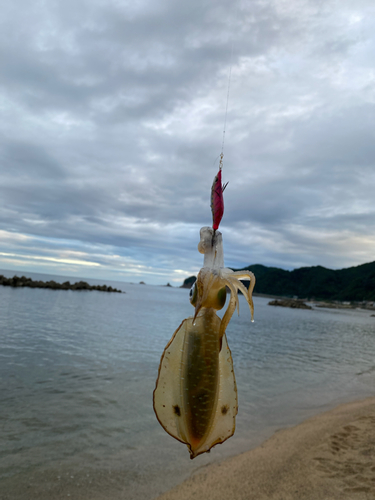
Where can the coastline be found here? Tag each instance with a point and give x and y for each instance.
(330, 456)
(21, 282)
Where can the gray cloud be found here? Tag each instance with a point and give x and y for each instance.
(112, 124)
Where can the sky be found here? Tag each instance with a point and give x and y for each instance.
(111, 125)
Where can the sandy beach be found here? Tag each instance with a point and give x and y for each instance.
(330, 456)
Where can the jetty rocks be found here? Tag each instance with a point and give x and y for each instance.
(293, 303)
(80, 285)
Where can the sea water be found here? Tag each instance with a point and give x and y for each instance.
(78, 368)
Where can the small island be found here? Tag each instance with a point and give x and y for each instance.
(293, 303)
(189, 282)
(16, 281)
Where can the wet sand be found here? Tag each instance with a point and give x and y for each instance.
(330, 456)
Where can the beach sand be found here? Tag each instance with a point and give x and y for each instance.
(330, 456)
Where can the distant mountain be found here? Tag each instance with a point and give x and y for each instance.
(352, 284)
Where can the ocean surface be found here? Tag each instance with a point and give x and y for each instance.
(78, 368)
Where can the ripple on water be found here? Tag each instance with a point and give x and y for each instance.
(77, 373)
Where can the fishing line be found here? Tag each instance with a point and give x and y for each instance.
(217, 201)
(226, 106)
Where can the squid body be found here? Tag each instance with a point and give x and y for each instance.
(195, 399)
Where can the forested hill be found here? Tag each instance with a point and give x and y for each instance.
(354, 283)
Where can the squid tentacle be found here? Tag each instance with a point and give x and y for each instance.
(233, 303)
(248, 296)
(229, 281)
(239, 285)
(248, 275)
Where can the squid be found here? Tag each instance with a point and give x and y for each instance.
(195, 398)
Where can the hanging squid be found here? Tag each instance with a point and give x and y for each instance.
(195, 399)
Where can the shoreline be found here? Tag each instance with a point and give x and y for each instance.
(330, 456)
(23, 282)
(327, 457)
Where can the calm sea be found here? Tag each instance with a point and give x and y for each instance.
(77, 371)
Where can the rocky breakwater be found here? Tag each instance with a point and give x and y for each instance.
(53, 285)
(293, 303)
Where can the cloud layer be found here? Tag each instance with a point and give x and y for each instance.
(112, 122)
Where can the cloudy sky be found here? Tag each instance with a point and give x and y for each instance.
(112, 116)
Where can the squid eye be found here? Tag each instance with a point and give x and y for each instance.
(221, 298)
(193, 294)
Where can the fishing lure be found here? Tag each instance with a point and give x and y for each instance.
(195, 399)
(217, 200)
